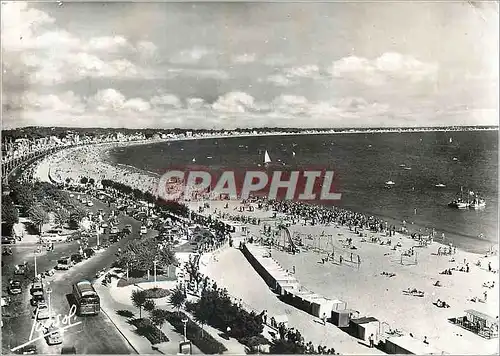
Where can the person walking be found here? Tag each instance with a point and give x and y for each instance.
(323, 318)
(372, 343)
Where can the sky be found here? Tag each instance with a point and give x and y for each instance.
(234, 65)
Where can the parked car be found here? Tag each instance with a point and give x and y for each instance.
(27, 350)
(41, 311)
(6, 240)
(37, 297)
(15, 287)
(7, 251)
(36, 286)
(114, 230)
(20, 270)
(54, 336)
(128, 229)
(89, 203)
(76, 258)
(64, 263)
(143, 230)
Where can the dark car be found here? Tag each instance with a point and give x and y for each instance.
(37, 298)
(127, 229)
(6, 240)
(76, 258)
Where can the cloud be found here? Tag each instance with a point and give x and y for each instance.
(195, 103)
(389, 66)
(67, 102)
(38, 52)
(234, 102)
(245, 58)
(55, 68)
(280, 80)
(111, 100)
(306, 71)
(190, 56)
(166, 100)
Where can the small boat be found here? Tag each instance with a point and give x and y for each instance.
(267, 159)
(209, 157)
(408, 168)
(194, 160)
(440, 185)
(458, 204)
(402, 165)
(389, 184)
(293, 153)
(455, 158)
(451, 140)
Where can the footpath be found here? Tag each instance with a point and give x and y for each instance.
(114, 299)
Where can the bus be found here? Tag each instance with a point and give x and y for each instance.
(86, 299)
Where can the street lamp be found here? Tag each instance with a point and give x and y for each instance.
(154, 270)
(185, 320)
(49, 291)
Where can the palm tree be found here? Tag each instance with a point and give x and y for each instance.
(177, 298)
(38, 216)
(61, 217)
(138, 300)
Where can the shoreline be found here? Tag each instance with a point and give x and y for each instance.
(100, 165)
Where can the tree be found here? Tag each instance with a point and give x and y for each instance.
(22, 194)
(61, 217)
(149, 305)
(177, 298)
(91, 181)
(38, 216)
(286, 347)
(10, 215)
(158, 318)
(84, 180)
(138, 300)
(140, 255)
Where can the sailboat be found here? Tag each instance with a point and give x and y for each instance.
(194, 160)
(267, 159)
(451, 140)
(459, 202)
(389, 184)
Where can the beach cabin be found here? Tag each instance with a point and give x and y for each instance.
(363, 327)
(341, 318)
(479, 323)
(408, 345)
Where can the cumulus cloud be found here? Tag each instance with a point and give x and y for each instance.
(195, 103)
(111, 100)
(67, 102)
(37, 51)
(234, 102)
(379, 71)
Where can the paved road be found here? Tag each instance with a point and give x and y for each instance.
(96, 334)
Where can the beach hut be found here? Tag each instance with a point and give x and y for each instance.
(341, 318)
(408, 345)
(363, 327)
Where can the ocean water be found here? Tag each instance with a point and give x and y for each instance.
(363, 163)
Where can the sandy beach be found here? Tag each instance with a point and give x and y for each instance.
(363, 288)
(370, 293)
